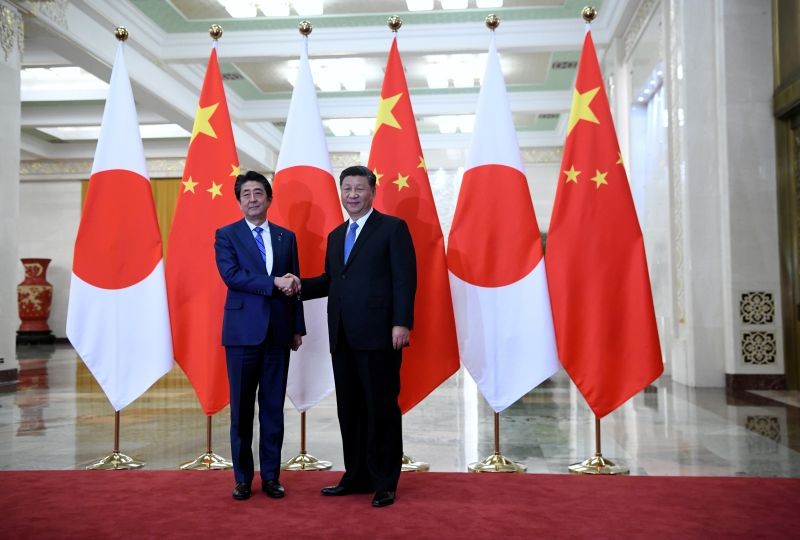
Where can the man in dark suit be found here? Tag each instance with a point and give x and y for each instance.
(262, 321)
(370, 280)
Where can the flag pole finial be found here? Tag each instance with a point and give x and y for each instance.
(121, 33)
(589, 13)
(394, 23)
(215, 31)
(492, 22)
(305, 28)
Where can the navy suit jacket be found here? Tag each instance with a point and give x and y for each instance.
(253, 303)
(375, 290)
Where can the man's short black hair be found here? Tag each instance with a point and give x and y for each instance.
(251, 176)
(358, 170)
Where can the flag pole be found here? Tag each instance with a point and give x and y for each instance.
(302, 461)
(305, 461)
(208, 460)
(597, 464)
(408, 464)
(497, 462)
(116, 461)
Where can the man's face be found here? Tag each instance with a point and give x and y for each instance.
(253, 201)
(357, 196)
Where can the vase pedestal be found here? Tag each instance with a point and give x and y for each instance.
(35, 338)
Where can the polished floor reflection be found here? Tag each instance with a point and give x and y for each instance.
(58, 418)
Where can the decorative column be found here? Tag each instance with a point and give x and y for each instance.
(11, 35)
(723, 195)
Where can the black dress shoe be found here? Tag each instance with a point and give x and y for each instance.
(383, 498)
(241, 491)
(338, 491)
(273, 489)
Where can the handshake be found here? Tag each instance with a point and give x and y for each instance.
(288, 284)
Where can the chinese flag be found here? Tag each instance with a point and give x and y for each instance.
(195, 290)
(405, 191)
(599, 286)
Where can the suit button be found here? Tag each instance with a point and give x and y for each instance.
(343, 276)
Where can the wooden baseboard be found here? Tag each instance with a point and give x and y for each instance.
(750, 381)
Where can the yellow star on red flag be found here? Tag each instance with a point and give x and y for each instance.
(385, 115)
(202, 121)
(572, 174)
(580, 109)
(599, 179)
(188, 185)
(215, 190)
(401, 182)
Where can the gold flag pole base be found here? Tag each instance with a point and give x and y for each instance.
(409, 465)
(597, 464)
(208, 461)
(497, 463)
(116, 462)
(305, 462)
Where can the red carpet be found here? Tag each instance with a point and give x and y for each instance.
(192, 504)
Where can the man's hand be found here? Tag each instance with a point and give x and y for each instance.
(288, 284)
(297, 340)
(400, 335)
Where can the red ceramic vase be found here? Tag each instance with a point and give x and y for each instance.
(34, 296)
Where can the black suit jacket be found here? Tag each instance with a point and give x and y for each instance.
(375, 290)
(252, 303)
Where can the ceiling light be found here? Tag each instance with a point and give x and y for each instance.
(345, 127)
(307, 8)
(274, 8)
(453, 4)
(419, 5)
(239, 9)
(56, 78)
(436, 79)
(455, 123)
(488, 3)
(87, 133)
(462, 69)
(333, 74)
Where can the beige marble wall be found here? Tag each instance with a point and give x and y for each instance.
(749, 177)
(48, 223)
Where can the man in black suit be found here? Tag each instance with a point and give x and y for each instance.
(370, 280)
(262, 321)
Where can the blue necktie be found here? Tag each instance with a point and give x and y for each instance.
(349, 240)
(260, 243)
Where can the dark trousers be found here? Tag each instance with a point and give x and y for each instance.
(260, 370)
(367, 388)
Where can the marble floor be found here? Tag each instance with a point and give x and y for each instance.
(57, 418)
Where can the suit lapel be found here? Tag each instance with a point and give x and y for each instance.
(276, 239)
(337, 244)
(245, 236)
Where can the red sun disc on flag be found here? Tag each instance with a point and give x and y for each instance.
(118, 243)
(494, 239)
